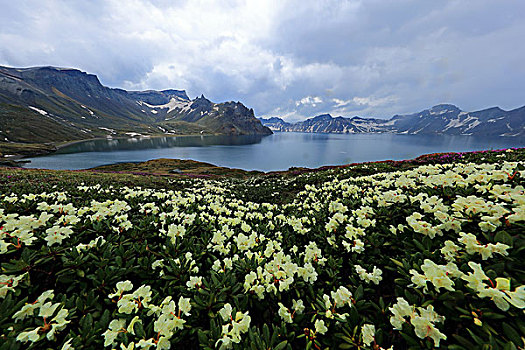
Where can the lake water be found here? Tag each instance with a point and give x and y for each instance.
(279, 151)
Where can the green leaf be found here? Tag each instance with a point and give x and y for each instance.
(346, 339)
(203, 339)
(359, 292)
(509, 346)
(493, 315)
(477, 339)
(281, 345)
(456, 347)
(397, 262)
(309, 345)
(503, 237)
(511, 333)
(266, 332)
(139, 330)
(409, 339)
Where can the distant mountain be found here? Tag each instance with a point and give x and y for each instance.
(441, 119)
(49, 104)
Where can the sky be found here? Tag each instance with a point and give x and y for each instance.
(288, 58)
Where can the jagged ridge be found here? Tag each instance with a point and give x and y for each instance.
(75, 105)
(440, 119)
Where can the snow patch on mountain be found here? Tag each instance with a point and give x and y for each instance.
(174, 103)
(107, 129)
(473, 124)
(458, 123)
(38, 110)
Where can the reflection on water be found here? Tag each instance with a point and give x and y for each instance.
(104, 145)
(275, 152)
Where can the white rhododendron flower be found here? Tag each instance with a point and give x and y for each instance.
(320, 327)
(368, 333)
(422, 320)
(201, 249)
(374, 276)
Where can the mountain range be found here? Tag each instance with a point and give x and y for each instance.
(50, 104)
(441, 119)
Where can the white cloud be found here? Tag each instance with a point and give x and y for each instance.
(340, 103)
(309, 100)
(302, 56)
(373, 102)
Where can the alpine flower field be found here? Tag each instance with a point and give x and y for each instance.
(369, 256)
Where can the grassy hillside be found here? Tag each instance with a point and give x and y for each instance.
(415, 254)
(164, 166)
(51, 105)
(21, 125)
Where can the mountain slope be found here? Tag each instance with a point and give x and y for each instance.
(441, 119)
(76, 106)
(31, 126)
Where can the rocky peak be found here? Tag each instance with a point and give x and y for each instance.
(444, 108)
(322, 117)
(157, 98)
(272, 120)
(176, 93)
(201, 102)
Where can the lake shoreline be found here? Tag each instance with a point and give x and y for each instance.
(15, 152)
(277, 152)
(193, 168)
(186, 168)
(71, 143)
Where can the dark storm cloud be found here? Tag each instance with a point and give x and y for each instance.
(288, 58)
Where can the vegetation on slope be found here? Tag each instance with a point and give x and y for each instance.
(50, 105)
(415, 254)
(28, 126)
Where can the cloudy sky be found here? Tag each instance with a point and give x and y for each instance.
(293, 58)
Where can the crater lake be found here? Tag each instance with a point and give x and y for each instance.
(279, 151)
